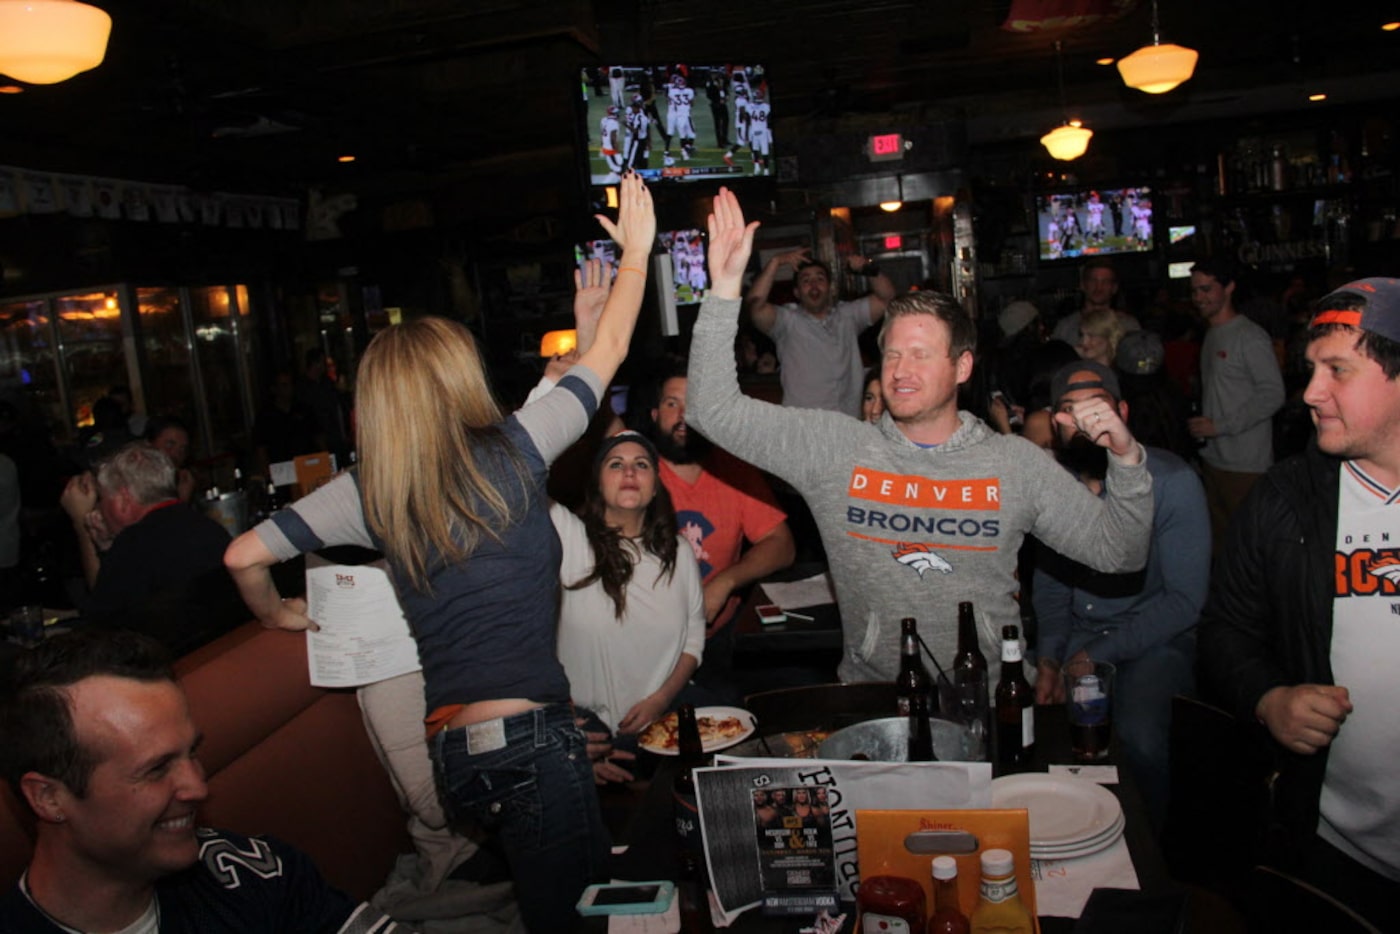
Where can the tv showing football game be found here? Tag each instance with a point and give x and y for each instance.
(676, 123)
(1094, 222)
(689, 275)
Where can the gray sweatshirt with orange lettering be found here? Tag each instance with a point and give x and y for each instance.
(912, 531)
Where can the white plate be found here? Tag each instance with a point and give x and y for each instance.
(1074, 851)
(1064, 811)
(1088, 849)
(749, 720)
(1114, 831)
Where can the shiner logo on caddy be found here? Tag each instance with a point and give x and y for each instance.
(921, 558)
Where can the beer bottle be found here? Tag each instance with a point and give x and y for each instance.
(913, 677)
(689, 845)
(947, 917)
(1000, 910)
(969, 657)
(920, 730)
(1015, 704)
(970, 667)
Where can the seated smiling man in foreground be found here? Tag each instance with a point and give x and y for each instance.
(99, 743)
(928, 506)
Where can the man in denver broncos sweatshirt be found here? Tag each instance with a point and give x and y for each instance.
(929, 506)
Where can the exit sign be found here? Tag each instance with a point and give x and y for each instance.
(894, 242)
(885, 147)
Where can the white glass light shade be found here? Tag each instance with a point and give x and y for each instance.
(47, 41)
(1157, 69)
(1067, 142)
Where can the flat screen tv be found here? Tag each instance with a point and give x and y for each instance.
(676, 123)
(688, 271)
(1094, 222)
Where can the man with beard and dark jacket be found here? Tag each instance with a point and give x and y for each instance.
(1143, 622)
(721, 504)
(1299, 632)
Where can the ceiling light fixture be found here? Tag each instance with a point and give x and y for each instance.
(1317, 97)
(1068, 141)
(1390, 27)
(1106, 60)
(48, 41)
(891, 206)
(11, 89)
(1157, 68)
(345, 158)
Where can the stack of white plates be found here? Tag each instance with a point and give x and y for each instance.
(1069, 817)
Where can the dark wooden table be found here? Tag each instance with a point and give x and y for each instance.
(795, 636)
(641, 816)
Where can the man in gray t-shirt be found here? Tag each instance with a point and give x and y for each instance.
(817, 336)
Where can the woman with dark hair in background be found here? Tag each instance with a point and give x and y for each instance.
(872, 403)
(632, 618)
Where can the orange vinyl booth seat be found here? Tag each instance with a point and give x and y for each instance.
(282, 758)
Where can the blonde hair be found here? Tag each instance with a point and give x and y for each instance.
(427, 426)
(1103, 322)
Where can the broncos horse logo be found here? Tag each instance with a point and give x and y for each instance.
(921, 558)
(1386, 566)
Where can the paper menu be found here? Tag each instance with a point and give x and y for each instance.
(364, 636)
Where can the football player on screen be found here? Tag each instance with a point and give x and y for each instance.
(637, 144)
(760, 136)
(610, 144)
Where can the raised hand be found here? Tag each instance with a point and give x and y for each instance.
(592, 284)
(635, 228)
(731, 242)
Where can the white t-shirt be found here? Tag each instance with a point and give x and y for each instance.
(613, 663)
(1360, 794)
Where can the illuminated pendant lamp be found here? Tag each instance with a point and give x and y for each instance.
(1070, 140)
(47, 41)
(1157, 68)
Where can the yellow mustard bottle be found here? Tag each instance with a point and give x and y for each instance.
(1000, 910)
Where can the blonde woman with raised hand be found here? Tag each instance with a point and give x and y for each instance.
(453, 493)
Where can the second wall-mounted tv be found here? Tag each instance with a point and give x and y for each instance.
(1094, 222)
(677, 123)
(690, 276)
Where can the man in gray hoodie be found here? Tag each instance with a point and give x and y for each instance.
(928, 506)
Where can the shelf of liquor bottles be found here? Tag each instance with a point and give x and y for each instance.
(1300, 196)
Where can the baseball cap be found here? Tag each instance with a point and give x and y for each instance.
(1015, 316)
(1101, 377)
(1140, 353)
(622, 437)
(1381, 314)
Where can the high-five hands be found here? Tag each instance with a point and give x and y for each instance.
(635, 227)
(731, 242)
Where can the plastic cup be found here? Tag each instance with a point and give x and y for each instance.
(1089, 702)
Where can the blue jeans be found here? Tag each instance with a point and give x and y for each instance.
(536, 795)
